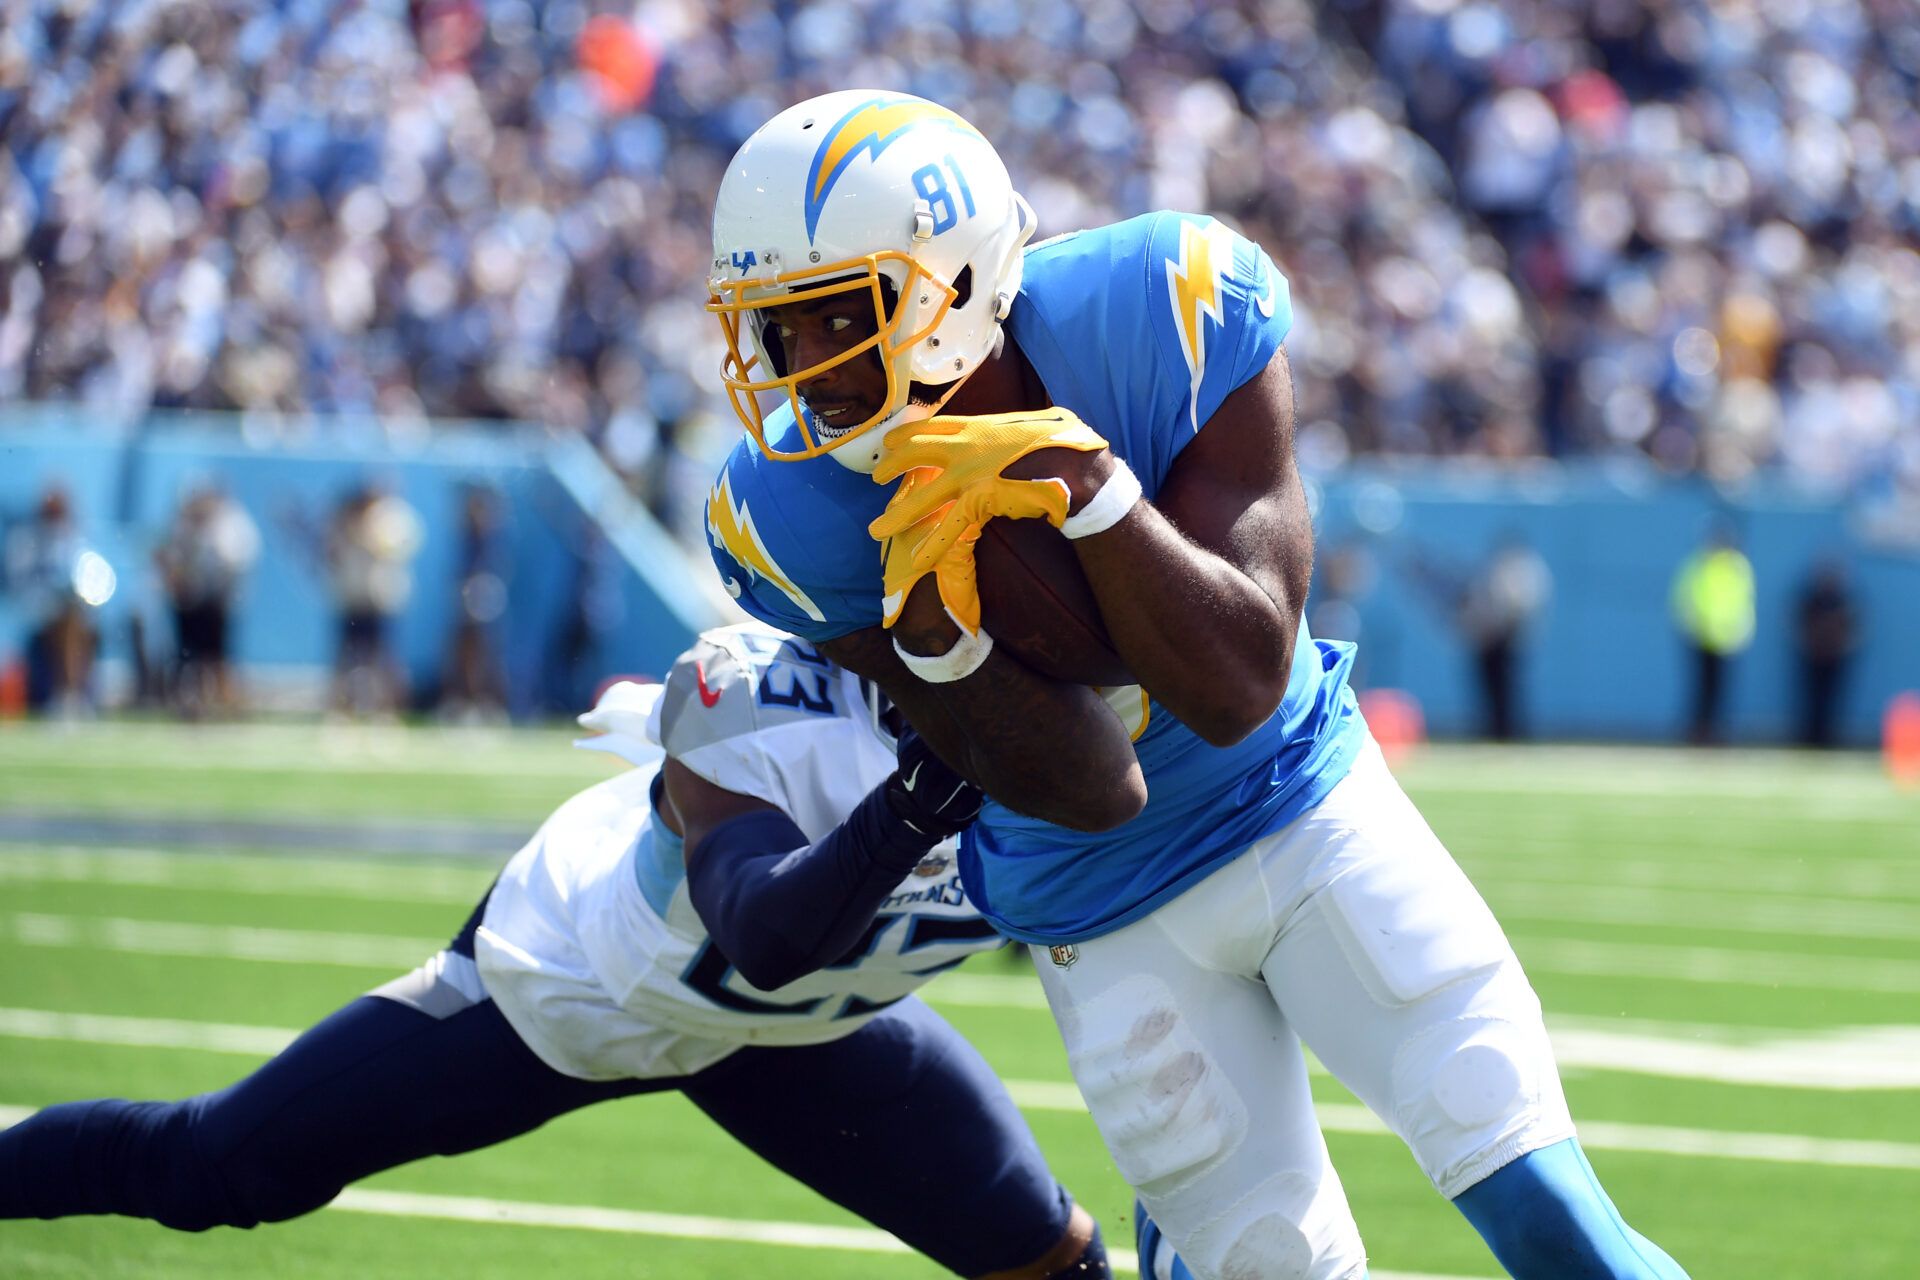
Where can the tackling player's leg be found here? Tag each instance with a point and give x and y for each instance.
(902, 1121)
(378, 1083)
(1080, 1254)
(906, 1125)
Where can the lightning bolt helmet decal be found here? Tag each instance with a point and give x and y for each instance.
(870, 127)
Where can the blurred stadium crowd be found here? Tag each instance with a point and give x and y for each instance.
(1514, 228)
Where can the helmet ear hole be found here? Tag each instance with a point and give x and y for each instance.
(963, 286)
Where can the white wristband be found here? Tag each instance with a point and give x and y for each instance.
(957, 663)
(1108, 507)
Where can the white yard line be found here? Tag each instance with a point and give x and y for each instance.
(226, 942)
(1720, 966)
(291, 876)
(1781, 1148)
(154, 1033)
(1532, 860)
(384, 880)
(1045, 1095)
(1689, 909)
(1842, 1059)
(375, 749)
(792, 1235)
(1857, 1058)
(679, 1226)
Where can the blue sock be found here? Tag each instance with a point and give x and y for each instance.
(1152, 1246)
(1546, 1218)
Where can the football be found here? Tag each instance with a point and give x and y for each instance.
(1035, 601)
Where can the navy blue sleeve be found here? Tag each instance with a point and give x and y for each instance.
(779, 908)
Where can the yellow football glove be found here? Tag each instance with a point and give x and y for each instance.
(953, 485)
(953, 573)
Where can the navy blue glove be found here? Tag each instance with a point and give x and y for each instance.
(927, 795)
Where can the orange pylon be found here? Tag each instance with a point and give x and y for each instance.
(1900, 739)
(1396, 720)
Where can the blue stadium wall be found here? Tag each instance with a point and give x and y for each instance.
(1604, 660)
(594, 585)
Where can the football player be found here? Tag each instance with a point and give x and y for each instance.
(1209, 867)
(587, 974)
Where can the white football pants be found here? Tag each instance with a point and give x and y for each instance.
(1350, 929)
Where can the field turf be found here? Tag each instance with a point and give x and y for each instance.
(1727, 946)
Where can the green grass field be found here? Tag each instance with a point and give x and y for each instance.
(1727, 945)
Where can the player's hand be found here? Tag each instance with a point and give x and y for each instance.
(927, 795)
(954, 482)
(962, 462)
(954, 578)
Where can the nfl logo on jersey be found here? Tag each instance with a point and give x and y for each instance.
(1063, 956)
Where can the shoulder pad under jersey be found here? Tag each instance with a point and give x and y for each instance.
(743, 680)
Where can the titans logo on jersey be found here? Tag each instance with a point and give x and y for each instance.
(1142, 328)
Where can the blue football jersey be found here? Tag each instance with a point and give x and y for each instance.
(1142, 328)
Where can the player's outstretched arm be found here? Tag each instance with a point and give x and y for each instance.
(1202, 588)
(780, 907)
(1049, 750)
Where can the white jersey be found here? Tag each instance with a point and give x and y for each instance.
(590, 945)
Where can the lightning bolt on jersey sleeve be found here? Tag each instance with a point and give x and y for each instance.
(796, 557)
(1182, 309)
(1228, 308)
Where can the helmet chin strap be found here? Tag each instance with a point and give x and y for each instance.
(863, 450)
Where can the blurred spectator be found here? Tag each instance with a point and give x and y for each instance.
(1493, 607)
(1502, 601)
(588, 626)
(370, 548)
(59, 583)
(1826, 634)
(472, 686)
(1513, 227)
(205, 558)
(1710, 202)
(1713, 605)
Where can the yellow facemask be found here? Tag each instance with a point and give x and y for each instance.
(737, 301)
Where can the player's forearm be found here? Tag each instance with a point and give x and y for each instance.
(779, 908)
(1202, 637)
(1048, 750)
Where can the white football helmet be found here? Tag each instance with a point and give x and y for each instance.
(863, 190)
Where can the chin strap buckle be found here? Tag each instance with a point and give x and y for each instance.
(922, 222)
